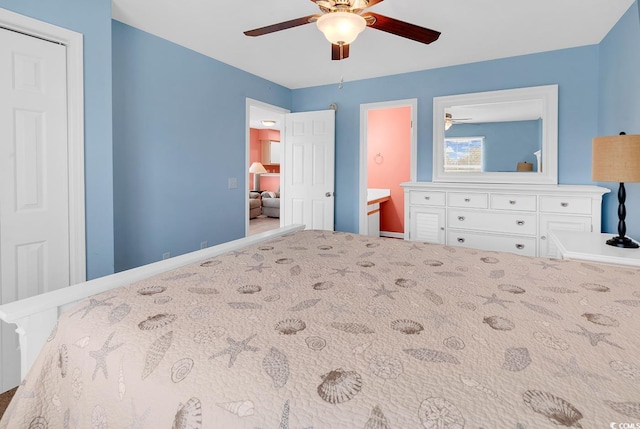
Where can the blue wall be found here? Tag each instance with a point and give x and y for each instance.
(619, 107)
(179, 134)
(176, 148)
(92, 19)
(505, 143)
(574, 70)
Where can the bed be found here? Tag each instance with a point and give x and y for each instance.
(318, 329)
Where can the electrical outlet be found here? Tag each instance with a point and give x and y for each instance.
(203, 245)
(233, 183)
(166, 255)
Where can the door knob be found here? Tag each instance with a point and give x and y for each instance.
(328, 194)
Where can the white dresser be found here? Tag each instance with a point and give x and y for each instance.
(502, 217)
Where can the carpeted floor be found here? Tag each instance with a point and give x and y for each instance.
(5, 398)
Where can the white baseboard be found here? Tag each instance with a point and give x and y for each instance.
(399, 235)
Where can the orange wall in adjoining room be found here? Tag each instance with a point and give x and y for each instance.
(268, 134)
(267, 183)
(389, 134)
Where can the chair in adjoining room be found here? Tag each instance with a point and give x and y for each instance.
(271, 204)
(255, 205)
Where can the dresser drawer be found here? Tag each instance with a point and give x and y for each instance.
(430, 198)
(470, 200)
(513, 202)
(484, 220)
(500, 243)
(573, 205)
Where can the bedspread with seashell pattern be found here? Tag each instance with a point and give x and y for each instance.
(335, 330)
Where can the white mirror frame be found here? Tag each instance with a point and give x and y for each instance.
(549, 160)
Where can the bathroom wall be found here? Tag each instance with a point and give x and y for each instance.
(389, 136)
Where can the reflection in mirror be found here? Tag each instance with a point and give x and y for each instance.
(496, 137)
(493, 137)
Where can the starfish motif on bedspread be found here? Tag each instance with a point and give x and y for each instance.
(235, 348)
(93, 304)
(237, 253)
(572, 369)
(493, 299)
(258, 268)
(342, 271)
(101, 354)
(415, 247)
(594, 337)
(383, 291)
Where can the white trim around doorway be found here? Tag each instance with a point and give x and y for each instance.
(364, 110)
(276, 109)
(73, 42)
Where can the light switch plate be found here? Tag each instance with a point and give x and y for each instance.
(233, 183)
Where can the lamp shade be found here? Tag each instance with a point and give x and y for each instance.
(341, 27)
(257, 168)
(616, 159)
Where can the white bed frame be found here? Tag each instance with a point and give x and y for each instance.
(36, 316)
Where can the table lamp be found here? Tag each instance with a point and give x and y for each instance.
(257, 169)
(617, 159)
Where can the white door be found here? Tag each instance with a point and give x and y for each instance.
(308, 181)
(34, 195)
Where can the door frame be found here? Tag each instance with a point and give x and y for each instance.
(250, 102)
(73, 42)
(412, 103)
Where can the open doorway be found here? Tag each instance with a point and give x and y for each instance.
(388, 139)
(265, 123)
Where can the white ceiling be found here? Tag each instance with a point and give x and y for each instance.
(472, 30)
(258, 114)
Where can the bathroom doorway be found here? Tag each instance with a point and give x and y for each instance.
(388, 139)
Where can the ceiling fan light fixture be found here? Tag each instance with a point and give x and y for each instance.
(268, 122)
(341, 27)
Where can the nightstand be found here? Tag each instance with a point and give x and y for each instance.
(591, 246)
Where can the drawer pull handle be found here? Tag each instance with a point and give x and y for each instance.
(544, 237)
(460, 240)
(427, 198)
(466, 200)
(519, 246)
(564, 204)
(520, 222)
(512, 202)
(460, 218)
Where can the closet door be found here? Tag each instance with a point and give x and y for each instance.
(34, 188)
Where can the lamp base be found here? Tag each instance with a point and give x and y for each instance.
(624, 242)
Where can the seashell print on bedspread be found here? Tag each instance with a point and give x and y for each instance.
(323, 329)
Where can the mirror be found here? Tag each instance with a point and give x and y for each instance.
(508, 136)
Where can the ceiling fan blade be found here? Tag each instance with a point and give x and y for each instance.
(339, 52)
(401, 28)
(281, 26)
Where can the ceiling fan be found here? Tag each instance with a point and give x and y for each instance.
(450, 120)
(342, 20)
